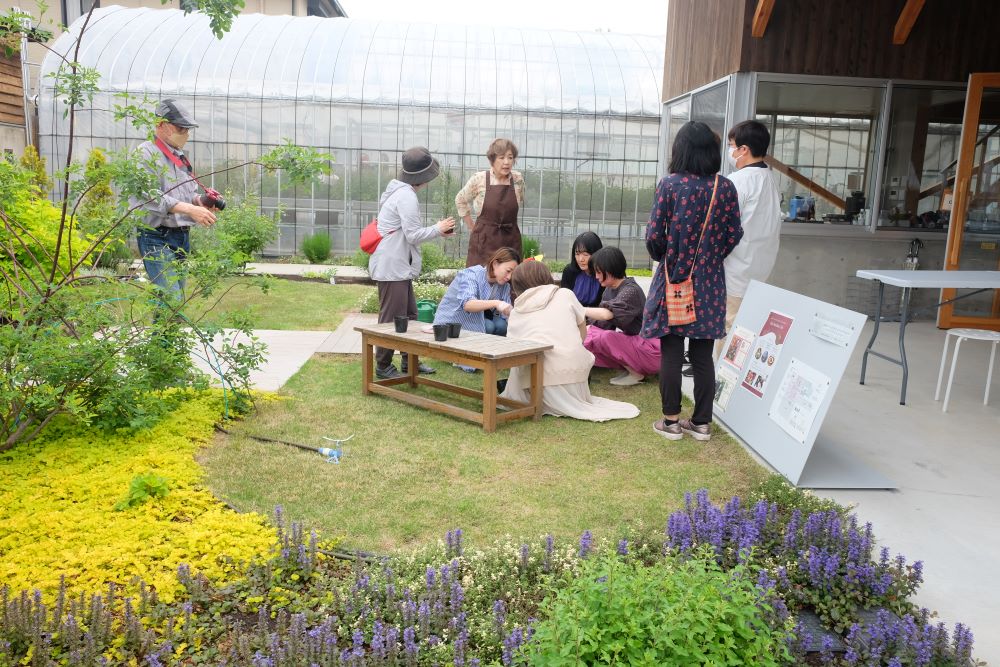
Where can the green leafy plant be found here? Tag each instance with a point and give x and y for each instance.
(244, 230)
(530, 247)
(422, 290)
(360, 259)
(97, 208)
(34, 164)
(79, 343)
(142, 488)
(672, 613)
(788, 498)
(432, 258)
(316, 247)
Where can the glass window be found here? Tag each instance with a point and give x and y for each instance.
(925, 125)
(823, 145)
(677, 113)
(709, 106)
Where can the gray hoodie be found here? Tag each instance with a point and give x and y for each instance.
(398, 254)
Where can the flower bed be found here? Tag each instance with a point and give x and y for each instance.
(58, 518)
(717, 570)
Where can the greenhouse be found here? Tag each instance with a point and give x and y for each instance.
(583, 107)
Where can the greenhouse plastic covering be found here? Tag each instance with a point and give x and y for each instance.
(157, 51)
(583, 108)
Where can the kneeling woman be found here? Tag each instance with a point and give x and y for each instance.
(479, 290)
(577, 275)
(613, 335)
(548, 314)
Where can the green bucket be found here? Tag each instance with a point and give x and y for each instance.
(426, 310)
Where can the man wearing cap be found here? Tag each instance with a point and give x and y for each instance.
(164, 238)
(396, 261)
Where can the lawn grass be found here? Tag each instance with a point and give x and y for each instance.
(299, 305)
(409, 476)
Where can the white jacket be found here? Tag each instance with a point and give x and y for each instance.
(760, 214)
(397, 256)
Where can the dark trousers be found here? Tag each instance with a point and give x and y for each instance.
(395, 297)
(671, 362)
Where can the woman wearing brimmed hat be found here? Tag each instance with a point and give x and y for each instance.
(494, 196)
(396, 261)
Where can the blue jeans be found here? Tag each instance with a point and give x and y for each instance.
(497, 326)
(163, 249)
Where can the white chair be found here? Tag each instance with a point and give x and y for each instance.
(960, 335)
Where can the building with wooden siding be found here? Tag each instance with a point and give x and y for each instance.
(867, 104)
(12, 132)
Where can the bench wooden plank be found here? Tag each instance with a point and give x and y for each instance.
(483, 351)
(473, 344)
(428, 403)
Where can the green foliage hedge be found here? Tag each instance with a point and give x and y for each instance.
(615, 612)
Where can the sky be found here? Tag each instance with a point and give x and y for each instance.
(643, 17)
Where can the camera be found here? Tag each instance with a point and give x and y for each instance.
(211, 199)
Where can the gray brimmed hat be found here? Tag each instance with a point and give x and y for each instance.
(419, 166)
(172, 112)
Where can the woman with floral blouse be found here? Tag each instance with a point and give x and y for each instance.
(693, 190)
(494, 197)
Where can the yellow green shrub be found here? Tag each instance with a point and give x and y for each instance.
(57, 516)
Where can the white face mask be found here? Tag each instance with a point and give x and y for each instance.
(731, 156)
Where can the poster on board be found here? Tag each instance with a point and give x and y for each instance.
(766, 352)
(738, 348)
(726, 380)
(798, 399)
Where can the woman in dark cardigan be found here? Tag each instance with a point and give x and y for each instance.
(693, 190)
(578, 276)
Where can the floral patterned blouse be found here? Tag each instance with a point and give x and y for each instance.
(679, 209)
(469, 200)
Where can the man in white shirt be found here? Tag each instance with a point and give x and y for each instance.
(760, 214)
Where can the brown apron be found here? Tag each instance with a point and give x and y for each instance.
(496, 226)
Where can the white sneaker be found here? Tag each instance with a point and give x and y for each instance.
(627, 379)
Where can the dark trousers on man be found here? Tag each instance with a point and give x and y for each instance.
(395, 297)
(671, 362)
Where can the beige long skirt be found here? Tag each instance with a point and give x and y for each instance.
(572, 400)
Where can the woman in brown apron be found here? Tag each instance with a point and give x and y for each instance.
(496, 194)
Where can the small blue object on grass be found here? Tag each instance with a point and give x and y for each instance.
(334, 454)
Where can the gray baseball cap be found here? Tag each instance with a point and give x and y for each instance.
(171, 111)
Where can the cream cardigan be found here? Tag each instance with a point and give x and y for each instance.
(551, 315)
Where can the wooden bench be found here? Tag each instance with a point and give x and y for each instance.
(488, 353)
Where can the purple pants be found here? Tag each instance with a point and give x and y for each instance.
(613, 349)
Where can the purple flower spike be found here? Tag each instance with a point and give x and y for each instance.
(586, 542)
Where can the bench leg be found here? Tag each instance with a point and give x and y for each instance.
(412, 367)
(490, 397)
(367, 359)
(537, 388)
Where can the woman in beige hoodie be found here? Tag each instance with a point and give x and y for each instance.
(547, 314)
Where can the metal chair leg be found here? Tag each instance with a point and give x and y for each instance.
(944, 357)
(951, 374)
(989, 375)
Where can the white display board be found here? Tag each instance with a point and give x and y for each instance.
(777, 374)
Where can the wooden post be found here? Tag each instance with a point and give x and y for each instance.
(490, 396)
(367, 359)
(537, 385)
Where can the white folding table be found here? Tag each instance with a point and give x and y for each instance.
(980, 281)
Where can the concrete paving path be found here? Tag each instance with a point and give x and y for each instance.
(287, 352)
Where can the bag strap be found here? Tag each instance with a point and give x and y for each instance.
(708, 217)
(181, 161)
